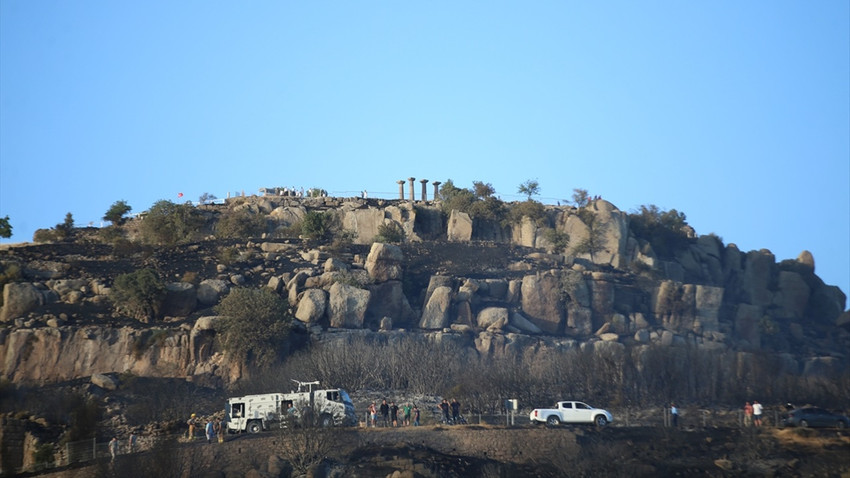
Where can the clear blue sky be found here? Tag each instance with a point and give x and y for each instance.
(735, 113)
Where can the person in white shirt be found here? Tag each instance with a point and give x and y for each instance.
(757, 411)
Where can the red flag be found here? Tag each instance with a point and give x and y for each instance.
(180, 195)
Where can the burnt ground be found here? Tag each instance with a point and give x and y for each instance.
(612, 451)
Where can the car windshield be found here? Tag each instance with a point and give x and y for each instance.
(345, 398)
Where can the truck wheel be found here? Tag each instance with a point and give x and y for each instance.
(600, 421)
(327, 421)
(553, 421)
(254, 427)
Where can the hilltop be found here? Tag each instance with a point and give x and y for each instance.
(438, 297)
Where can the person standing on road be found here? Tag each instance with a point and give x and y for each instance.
(406, 411)
(192, 422)
(385, 412)
(748, 415)
(455, 411)
(757, 411)
(394, 414)
(674, 414)
(209, 431)
(373, 415)
(131, 443)
(113, 447)
(217, 430)
(444, 406)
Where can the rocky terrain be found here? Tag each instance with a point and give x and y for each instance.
(495, 288)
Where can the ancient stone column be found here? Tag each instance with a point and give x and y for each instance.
(436, 189)
(424, 192)
(412, 193)
(401, 189)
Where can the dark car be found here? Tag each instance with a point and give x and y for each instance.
(815, 417)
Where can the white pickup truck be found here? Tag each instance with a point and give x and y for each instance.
(571, 412)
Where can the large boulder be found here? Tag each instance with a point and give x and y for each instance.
(311, 306)
(792, 297)
(384, 262)
(759, 272)
(347, 306)
(364, 223)
(436, 312)
(459, 227)
(747, 328)
(211, 291)
(541, 302)
(493, 318)
(388, 300)
(523, 324)
(708, 302)
(19, 299)
(181, 299)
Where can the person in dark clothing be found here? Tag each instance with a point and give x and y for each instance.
(444, 406)
(394, 414)
(455, 410)
(385, 412)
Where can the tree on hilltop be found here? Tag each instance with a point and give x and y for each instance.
(5, 227)
(115, 213)
(529, 188)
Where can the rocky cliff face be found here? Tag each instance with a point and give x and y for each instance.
(513, 292)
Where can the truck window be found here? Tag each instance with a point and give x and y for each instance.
(237, 410)
(567, 405)
(333, 395)
(582, 406)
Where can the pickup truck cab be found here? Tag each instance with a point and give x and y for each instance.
(571, 412)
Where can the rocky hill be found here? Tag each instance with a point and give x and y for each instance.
(524, 284)
(478, 282)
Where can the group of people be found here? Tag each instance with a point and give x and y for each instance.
(115, 446)
(389, 415)
(212, 429)
(753, 413)
(445, 406)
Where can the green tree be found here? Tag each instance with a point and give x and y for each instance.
(580, 197)
(206, 197)
(139, 294)
(529, 188)
(254, 324)
(559, 240)
(316, 224)
(167, 223)
(666, 231)
(482, 190)
(5, 227)
(115, 213)
(455, 198)
(240, 223)
(390, 232)
(594, 242)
